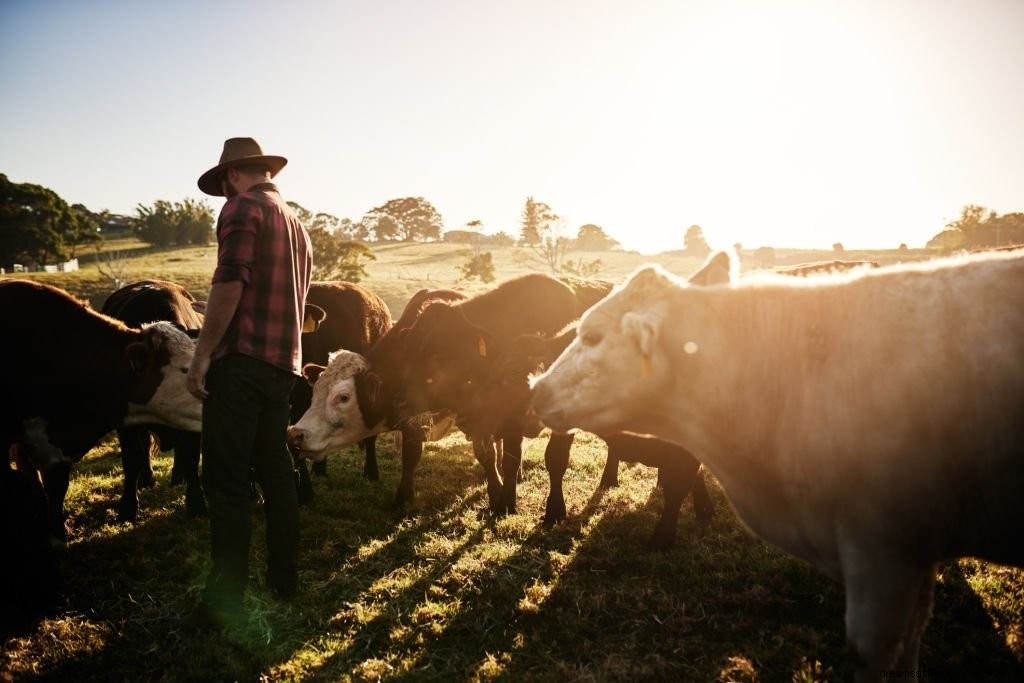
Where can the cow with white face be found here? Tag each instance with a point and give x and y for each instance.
(73, 375)
(333, 419)
(871, 423)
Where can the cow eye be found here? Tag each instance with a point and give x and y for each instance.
(343, 398)
(591, 338)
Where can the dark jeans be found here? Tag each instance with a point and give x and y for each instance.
(245, 422)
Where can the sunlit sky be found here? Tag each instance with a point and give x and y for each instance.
(783, 123)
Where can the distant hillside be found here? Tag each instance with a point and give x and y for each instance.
(403, 268)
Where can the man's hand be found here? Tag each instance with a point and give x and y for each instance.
(196, 379)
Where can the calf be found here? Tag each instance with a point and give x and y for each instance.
(356, 397)
(842, 415)
(354, 318)
(84, 374)
(137, 304)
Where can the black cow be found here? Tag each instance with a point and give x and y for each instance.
(84, 374)
(136, 304)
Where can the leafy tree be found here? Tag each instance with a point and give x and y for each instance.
(479, 265)
(838, 247)
(593, 238)
(502, 239)
(694, 242)
(408, 219)
(537, 218)
(335, 258)
(37, 226)
(980, 228)
(179, 224)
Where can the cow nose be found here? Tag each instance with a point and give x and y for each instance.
(296, 436)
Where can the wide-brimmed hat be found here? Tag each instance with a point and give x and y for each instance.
(238, 152)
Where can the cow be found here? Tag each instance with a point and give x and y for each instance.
(356, 397)
(85, 374)
(350, 317)
(137, 304)
(870, 423)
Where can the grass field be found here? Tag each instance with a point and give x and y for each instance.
(440, 592)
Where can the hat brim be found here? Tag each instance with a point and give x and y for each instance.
(210, 183)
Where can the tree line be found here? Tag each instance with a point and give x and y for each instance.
(38, 227)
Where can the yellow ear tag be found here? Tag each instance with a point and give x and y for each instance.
(481, 346)
(645, 367)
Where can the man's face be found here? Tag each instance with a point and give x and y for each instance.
(226, 185)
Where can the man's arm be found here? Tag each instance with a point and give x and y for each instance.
(220, 309)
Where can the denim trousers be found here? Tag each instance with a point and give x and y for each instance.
(245, 422)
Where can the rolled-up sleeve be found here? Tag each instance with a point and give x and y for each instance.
(236, 235)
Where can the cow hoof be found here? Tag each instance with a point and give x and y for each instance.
(127, 514)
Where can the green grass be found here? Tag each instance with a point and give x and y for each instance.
(442, 593)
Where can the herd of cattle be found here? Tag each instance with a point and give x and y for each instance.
(869, 420)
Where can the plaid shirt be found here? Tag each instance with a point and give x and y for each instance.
(262, 243)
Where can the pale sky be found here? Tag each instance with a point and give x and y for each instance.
(783, 123)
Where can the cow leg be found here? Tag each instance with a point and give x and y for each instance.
(319, 468)
(702, 508)
(678, 476)
(888, 605)
(302, 481)
(370, 470)
(55, 483)
(511, 462)
(610, 475)
(486, 452)
(556, 460)
(135, 443)
(186, 469)
(412, 451)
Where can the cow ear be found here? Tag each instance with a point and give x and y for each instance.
(312, 317)
(643, 330)
(717, 270)
(138, 354)
(199, 307)
(311, 371)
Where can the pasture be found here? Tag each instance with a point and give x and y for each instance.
(440, 592)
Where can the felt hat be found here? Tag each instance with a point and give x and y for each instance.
(238, 152)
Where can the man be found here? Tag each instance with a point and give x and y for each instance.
(247, 358)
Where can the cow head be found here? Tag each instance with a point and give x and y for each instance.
(158, 365)
(447, 357)
(34, 450)
(334, 418)
(617, 366)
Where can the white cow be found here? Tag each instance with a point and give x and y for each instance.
(869, 423)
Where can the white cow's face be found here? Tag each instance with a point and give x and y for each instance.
(606, 375)
(333, 419)
(171, 404)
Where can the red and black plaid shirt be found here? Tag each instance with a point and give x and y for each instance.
(262, 243)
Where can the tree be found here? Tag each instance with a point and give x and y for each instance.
(408, 219)
(838, 247)
(37, 226)
(694, 242)
(537, 217)
(180, 224)
(479, 265)
(593, 238)
(335, 258)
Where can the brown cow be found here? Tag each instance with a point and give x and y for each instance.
(85, 374)
(356, 398)
(353, 318)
